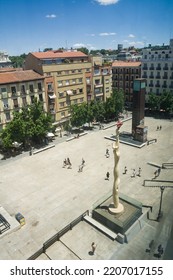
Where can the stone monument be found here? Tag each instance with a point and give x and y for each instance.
(116, 207)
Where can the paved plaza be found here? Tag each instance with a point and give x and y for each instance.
(50, 197)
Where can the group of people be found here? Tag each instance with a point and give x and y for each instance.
(134, 172)
(159, 127)
(67, 163)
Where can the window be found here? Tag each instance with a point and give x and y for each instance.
(67, 82)
(40, 97)
(5, 101)
(7, 115)
(81, 100)
(3, 90)
(50, 87)
(59, 83)
(59, 73)
(73, 71)
(32, 99)
(96, 71)
(61, 94)
(79, 70)
(15, 102)
(80, 80)
(23, 91)
(61, 104)
(75, 101)
(74, 91)
(73, 81)
(31, 88)
(80, 90)
(62, 114)
(67, 72)
(24, 101)
(39, 87)
(13, 90)
(48, 73)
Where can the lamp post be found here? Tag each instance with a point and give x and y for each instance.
(160, 208)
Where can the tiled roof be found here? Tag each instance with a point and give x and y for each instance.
(126, 64)
(19, 76)
(56, 54)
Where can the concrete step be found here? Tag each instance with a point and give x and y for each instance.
(101, 227)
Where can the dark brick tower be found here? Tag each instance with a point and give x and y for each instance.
(139, 131)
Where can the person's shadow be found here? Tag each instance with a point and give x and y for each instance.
(90, 253)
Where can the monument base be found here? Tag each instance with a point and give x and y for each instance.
(119, 222)
(116, 210)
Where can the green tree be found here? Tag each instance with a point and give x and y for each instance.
(118, 100)
(29, 125)
(84, 50)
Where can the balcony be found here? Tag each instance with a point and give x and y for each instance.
(165, 77)
(151, 68)
(145, 68)
(158, 77)
(164, 86)
(151, 77)
(144, 76)
(157, 85)
(171, 77)
(98, 85)
(165, 68)
(158, 68)
(151, 85)
(6, 107)
(171, 86)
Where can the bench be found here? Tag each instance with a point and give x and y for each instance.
(100, 227)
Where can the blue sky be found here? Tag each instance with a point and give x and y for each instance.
(30, 25)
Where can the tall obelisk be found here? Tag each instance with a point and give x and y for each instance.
(116, 207)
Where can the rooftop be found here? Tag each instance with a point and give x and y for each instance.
(126, 64)
(59, 54)
(19, 76)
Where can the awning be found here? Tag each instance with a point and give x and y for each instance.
(69, 92)
(51, 96)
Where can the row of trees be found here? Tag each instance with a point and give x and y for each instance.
(28, 127)
(98, 111)
(161, 102)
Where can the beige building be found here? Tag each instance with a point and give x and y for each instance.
(101, 79)
(18, 89)
(66, 74)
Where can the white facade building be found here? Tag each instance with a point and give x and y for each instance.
(157, 68)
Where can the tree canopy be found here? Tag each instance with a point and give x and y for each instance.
(27, 127)
(98, 110)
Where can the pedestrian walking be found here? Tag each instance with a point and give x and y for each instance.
(160, 127)
(139, 171)
(80, 168)
(83, 161)
(158, 171)
(107, 153)
(64, 163)
(107, 175)
(133, 174)
(93, 247)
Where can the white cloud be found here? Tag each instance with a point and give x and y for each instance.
(51, 16)
(107, 2)
(107, 34)
(125, 41)
(131, 36)
(81, 45)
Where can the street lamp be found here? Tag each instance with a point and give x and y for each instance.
(160, 208)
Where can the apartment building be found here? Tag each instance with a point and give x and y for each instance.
(157, 68)
(18, 89)
(67, 74)
(101, 79)
(4, 60)
(123, 75)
